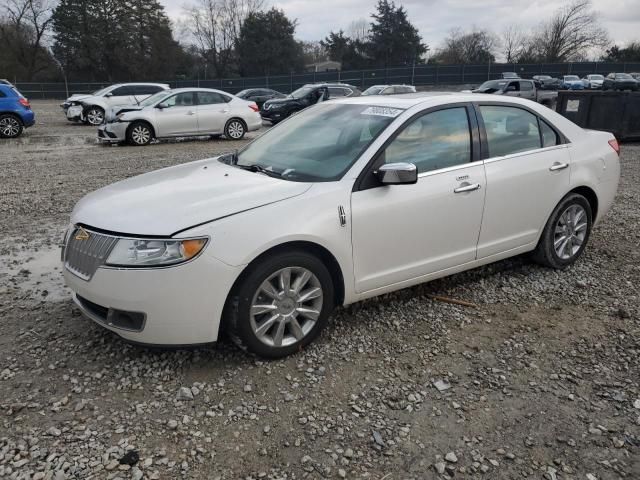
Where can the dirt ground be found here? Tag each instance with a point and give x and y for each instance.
(540, 380)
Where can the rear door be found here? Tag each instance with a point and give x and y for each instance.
(527, 167)
(213, 111)
(123, 95)
(178, 116)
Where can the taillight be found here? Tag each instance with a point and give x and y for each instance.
(24, 102)
(615, 145)
(254, 107)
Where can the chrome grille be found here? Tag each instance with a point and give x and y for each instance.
(82, 257)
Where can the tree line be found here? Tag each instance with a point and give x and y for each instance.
(121, 40)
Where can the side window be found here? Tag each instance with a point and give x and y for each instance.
(208, 98)
(2, 94)
(433, 141)
(146, 89)
(513, 87)
(335, 92)
(122, 91)
(549, 135)
(510, 130)
(180, 100)
(526, 86)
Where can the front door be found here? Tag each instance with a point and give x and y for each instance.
(403, 232)
(178, 116)
(527, 174)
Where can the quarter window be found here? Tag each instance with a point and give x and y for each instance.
(549, 135)
(510, 130)
(433, 141)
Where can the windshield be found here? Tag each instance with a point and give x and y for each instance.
(571, 78)
(492, 86)
(542, 77)
(102, 91)
(155, 98)
(243, 93)
(596, 77)
(624, 76)
(320, 143)
(301, 92)
(373, 90)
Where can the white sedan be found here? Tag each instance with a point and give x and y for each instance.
(346, 200)
(182, 112)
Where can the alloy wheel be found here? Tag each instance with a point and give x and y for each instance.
(141, 135)
(235, 130)
(95, 116)
(570, 232)
(9, 126)
(286, 306)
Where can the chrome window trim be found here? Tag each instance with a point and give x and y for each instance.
(450, 169)
(526, 152)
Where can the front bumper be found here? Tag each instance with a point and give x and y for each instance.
(180, 305)
(115, 132)
(273, 115)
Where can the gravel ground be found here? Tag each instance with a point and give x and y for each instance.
(541, 380)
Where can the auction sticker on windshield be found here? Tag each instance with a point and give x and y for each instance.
(382, 111)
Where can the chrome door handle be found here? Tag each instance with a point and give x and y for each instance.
(558, 166)
(467, 188)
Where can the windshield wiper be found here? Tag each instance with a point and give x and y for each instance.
(259, 169)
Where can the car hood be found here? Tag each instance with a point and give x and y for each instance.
(78, 96)
(173, 199)
(112, 112)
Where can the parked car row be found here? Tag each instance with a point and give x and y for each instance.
(613, 81)
(518, 87)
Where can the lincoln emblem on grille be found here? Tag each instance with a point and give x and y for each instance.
(82, 234)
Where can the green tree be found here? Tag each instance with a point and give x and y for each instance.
(393, 40)
(350, 52)
(266, 44)
(630, 53)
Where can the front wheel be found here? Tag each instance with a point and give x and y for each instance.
(10, 126)
(95, 116)
(234, 129)
(280, 305)
(139, 134)
(566, 233)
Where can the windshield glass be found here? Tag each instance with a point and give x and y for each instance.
(596, 77)
(625, 76)
(301, 92)
(155, 98)
(542, 77)
(320, 143)
(492, 86)
(102, 91)
(373, 90)
(570, 78)
(243, 93)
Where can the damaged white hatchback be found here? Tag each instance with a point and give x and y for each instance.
(347, 200)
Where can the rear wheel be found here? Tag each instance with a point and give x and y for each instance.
(139, 134)
(281, 305)
(10, 126)
(566, 233)
(234, 129)
(95, 116)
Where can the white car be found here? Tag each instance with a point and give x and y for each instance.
(182, 112)
(92, 108)
(346, 200)
(389, 89)
(593, 82)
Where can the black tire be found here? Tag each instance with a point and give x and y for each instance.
(11, 126)
(237, 315)
(94, 116)
(235, 129)
(139, 134)
(545, 253)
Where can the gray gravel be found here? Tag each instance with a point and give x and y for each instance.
(541, 380)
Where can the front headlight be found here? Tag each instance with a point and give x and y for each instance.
(133, 252)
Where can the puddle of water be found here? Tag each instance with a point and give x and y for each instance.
(36, 273)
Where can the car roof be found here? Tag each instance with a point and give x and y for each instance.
(199, 89)
(140, 83)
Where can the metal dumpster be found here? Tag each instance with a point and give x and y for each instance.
(615, 112)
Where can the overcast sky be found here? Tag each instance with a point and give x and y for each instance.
(435, 18)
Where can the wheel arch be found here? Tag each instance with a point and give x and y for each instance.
(306, 246)
(240, 119)
(591, 196)
(13, 114)
(140, 120)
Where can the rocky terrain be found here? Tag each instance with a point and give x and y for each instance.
(538, 378)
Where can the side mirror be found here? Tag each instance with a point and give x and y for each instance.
(108, 94)
(161, 106)
(397, 173)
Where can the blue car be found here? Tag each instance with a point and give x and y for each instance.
(15, 112)
(572, 82)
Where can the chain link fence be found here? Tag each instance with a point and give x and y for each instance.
(418, 75)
